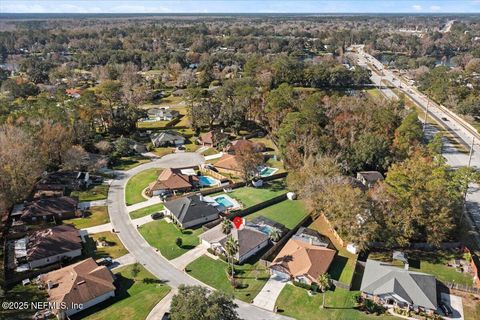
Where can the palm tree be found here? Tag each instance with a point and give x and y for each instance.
(275, 234)
(231, 247)
(226, 226)
(323, 282)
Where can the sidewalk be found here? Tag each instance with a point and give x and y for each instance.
(163, 306)
(108, 226)
(214, 156)
(189, 256)
(87, 204)
(266, 298)
(147, 203)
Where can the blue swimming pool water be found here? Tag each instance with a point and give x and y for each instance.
(207, 181)
(224, 202)
(267, 172)
(265, 229)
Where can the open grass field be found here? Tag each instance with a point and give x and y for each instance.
(146, 211)
(213, 273)
(135, 297)
(162, 235)
(95, 192)
(249, 196)
(136, 184)
(114, 250)
(127, 163)
(339, 304)
(288, 212)
(94, 216)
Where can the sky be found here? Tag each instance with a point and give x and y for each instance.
(240, 6)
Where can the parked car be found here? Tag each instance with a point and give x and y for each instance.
(104, 261)
(157, 215)
(446, 309)
(444, 119)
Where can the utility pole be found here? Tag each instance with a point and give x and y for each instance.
(471, 152)
(426, 116)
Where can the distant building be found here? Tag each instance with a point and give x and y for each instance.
(64, 180)
(369, 178)
(228, 163)
(240, 145)
(393, 286)
(47, 246)
(167, 138)
(84, 283)
(164, 114)
(48, 209)
(191, 211)
(301, 261)
(212, 138)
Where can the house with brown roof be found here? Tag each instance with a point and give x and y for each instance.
(49, 209)
(228, 163)
(172, 180)
(237, 146)
(250, 240)
(211, 138)
(302, 261)
(47, 246)
(78, 286)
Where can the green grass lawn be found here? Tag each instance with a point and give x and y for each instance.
(97, 192)
(249, 196)
(134, 298)
(127, 163)
(213, 273)
(343, 265)
(434, 263)
(162, 151)
(136, 184)
(209, 152)
(28, 293)
(295, 302)
(146, 211)
(115, 250)
(374, 93)
(162, 235)
(152, 124)
(288, 213)
(94, 216)
(276, 164)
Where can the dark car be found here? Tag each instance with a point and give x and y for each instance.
(444, 119)
(446, 309)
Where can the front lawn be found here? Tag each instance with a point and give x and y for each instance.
(249, 196)
(288, 213)
(146, 211)
(213, 273)
(431, 262)
(162, 235)
(339, 304)
(343, 265)
(127, 163)
(136, 184)
(134, 298)
(96, 192)
(94, 216)
(163, 151)
(114, 250)
(209, 152)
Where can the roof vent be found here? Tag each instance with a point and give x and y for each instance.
(81, 282)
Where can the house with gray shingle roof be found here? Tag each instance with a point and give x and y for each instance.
(167, 138)
(394, 286)
(191, 211)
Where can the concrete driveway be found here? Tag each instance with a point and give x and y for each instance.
(455, 303)
(268, 296)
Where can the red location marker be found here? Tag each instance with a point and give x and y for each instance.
(237, 222)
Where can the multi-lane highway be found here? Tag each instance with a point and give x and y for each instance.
(464, 133)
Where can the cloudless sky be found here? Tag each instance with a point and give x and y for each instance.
(240, 6)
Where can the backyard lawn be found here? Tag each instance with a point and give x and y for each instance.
(127, 163)
(339, 304)
(136, 184)
(146, 211)
(94, 216)
(434, 263)
(96, 192)
(288, 212)
(343, 265)
(114, 250)
(213, 273)
(135, 297)
(249, 196)
(152, 124)
(162, 235)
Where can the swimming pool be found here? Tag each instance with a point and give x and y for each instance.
(224, 201)
(206, 181)
(265, 229)
(267, 171)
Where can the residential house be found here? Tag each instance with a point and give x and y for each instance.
(228, 163)
(302, 261)
(237, 146)
(73, 92)
(63, 180)
(212, 138)
(172, 180)
(250, 240)
(191, 211)
(78, 287)
(48, 209)
(394, 286)
(369, 178)
(167, 138)
(47, 246)
(165, 114)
